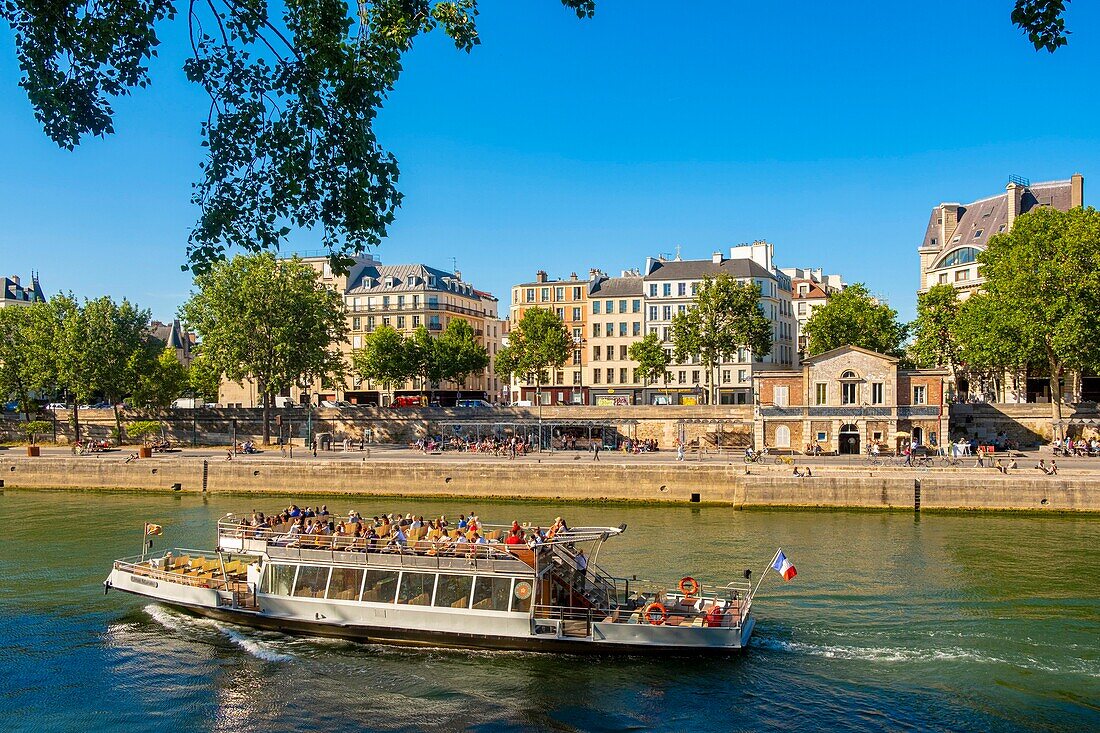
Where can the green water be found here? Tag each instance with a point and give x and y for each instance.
(942, 622)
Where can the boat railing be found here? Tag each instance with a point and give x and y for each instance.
(144, 568)
(477, 558)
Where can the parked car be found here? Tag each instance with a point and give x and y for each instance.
(12, 406)
(57, 406)
(407, 401)
(472, 403)
(338, 404)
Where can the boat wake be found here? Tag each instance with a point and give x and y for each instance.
(260, 649)
(903, 654)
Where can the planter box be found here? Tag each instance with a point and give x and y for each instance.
(145, 452)
(33, 451)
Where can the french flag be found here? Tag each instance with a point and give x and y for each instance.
(783, 566)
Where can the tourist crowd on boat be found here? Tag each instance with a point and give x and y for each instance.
(318, 528)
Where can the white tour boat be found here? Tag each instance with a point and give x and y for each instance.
(437, 590)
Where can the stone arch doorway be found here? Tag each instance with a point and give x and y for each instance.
(849, 440)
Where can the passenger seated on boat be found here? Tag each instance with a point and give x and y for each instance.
(515, 537)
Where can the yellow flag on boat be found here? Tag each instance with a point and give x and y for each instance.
(152, 529)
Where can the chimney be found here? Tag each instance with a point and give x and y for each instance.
(1015, 196)
(458, 274)
(949, 221)
(572, 276)
(716, 258)
(540, 276)
(593, 273)
(1076, 191)
(15, 280)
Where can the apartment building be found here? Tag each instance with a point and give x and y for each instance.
(568, 298)
(956, 233)
(670, 287)
(810, 289)
(616, 319)
(404, 297)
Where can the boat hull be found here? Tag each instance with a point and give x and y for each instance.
(447, 640)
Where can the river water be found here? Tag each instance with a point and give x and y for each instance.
(894, 622)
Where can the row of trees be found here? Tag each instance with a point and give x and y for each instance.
(271, 321)
(391, 359)
(89, 350)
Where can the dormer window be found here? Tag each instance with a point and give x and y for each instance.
(978, 233)
(411, 280)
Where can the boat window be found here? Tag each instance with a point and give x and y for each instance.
(521, 595)
(492, 594)
(311, 581)
(380, 586)
(345, 583)
(454, 591)
(279, 579)
(416, 589)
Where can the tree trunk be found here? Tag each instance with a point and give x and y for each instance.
(76, 421)
(1056, 398)
(118, 423)
(267, 416)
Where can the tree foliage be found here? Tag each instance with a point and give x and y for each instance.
(1043, 21)
(853, 317)
(539, 343)
(163, 380)
(383, 358)
(459, 354)
(28, 364)
(294, 91)
(1041, 296)
(651, 357)
(726, 315)
(267, 320)
(935, 343)
(203, 377)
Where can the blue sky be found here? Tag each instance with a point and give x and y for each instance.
(564, 144)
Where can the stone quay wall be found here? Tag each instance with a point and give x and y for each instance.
(216, 426)
(724, 484)
(1028, 424)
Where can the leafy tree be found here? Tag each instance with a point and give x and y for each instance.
(987, 349)
(28, 363)
(651, 357)
(1042, 294)
(384, 358)
(203, 378)
(459, 354)
(538, 344)
(725, 315)
(269, 321)
(142, 429)
(294, 91)
(853, 317)
(103, 348)
(423, 359)
(164, 380)
(506, 364)
(34, 428)
(935, 343)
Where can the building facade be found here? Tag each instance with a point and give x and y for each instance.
(13, 292)
(616, 319)
(670, 288)
(175, 337)
(956, 233)
(810, 289)
(405, 297)
(846, 399)
(568, 298)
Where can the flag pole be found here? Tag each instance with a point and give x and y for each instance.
(769, 567)
(144, 535)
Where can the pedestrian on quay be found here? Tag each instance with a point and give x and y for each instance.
(679, 450)
(596, 451)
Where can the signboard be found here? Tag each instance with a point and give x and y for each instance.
(689, 399)
(612, 401)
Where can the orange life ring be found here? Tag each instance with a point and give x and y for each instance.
(661, 611)
(689, 586)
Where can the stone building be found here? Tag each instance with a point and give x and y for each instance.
(956, 233)
(670, 288)
(569, 300)
(616, 319)
(846, 399)
(404, 297)
(13, 292)
(174, 336)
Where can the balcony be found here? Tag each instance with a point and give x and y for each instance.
(407, 307)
